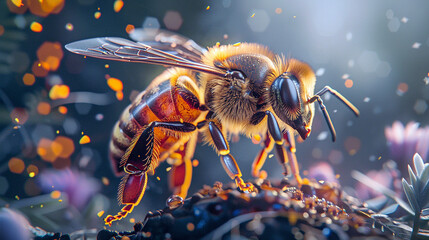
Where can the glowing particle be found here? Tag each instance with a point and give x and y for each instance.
(190, 227)
(60, 200)
(416, 45)
(105, 181)
(32, 170)
(36, 27)
(320, 72)
(84, 140)
(252, 15)
(16, 165)
(348, 83)
(270, 156)
(129, 28)
(294, 16)
(17, 3)
(43, 108)
(195, 163)
(366, 99)
(59, 91)
(99, 116)
(100, 213)
(55, 194)
(106, 66)
(28, 79)
(345, 76)
(62, 109)
(217, 44)
(168, 169)
(132, 220)
(16, 120)
(236, 44)
(120, 95)
(57, 132)
(69, 27)
(225, 36)
(404, 19)
(158, 178)
(97, 15)
(337, 176)
(208, 8)
(117, 6)
(115, 84)
(278, 10)
(402, 88)
(16, 197)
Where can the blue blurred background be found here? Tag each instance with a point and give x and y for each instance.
(374, 53)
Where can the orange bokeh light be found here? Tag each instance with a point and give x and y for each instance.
(43, 108)
(115, 84)
(85, 139)
(119, 95)
(16, 165)
(39, 69)
(1, 30)
(59, 91)
(50, 53)
(129, 28)
(97, 15)
(16, 6)
(45, 7)
(117, 6)
(36, 27)
(348, 83)
(28, 79)
(62, 147)
(62, 110)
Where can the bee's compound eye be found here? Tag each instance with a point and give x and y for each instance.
(289, 93)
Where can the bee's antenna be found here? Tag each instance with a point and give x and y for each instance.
(317, 97)
(326, 115)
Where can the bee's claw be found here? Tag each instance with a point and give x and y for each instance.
(245, 187)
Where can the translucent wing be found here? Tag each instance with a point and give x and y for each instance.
(119, 49)
(170, 42)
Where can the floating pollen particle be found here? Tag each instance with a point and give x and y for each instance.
(117, 6)
(97, 15)
(100, 213)
(84, 139)
(69, 27)
(36, 27)
(115, 84)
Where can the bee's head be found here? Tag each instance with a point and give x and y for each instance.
(289, 105)
(289, 95)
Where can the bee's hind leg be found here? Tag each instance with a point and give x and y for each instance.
(181, 175)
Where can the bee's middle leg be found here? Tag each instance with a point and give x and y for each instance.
(259, 161)
(227, 160)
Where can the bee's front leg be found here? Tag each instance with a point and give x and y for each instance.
(282, 156)
(227, 160)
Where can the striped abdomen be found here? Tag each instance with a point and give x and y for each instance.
(172, 97)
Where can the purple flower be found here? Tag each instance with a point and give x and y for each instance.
(77, 185)
(322, 171)
(383, 177)
(404, 142)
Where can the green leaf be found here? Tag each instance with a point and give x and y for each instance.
(389, 209)
(404, 205)
(424, 177)
(413, 179)
(418, 164)
(409, 192)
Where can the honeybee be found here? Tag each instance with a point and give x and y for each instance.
(230, 89)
